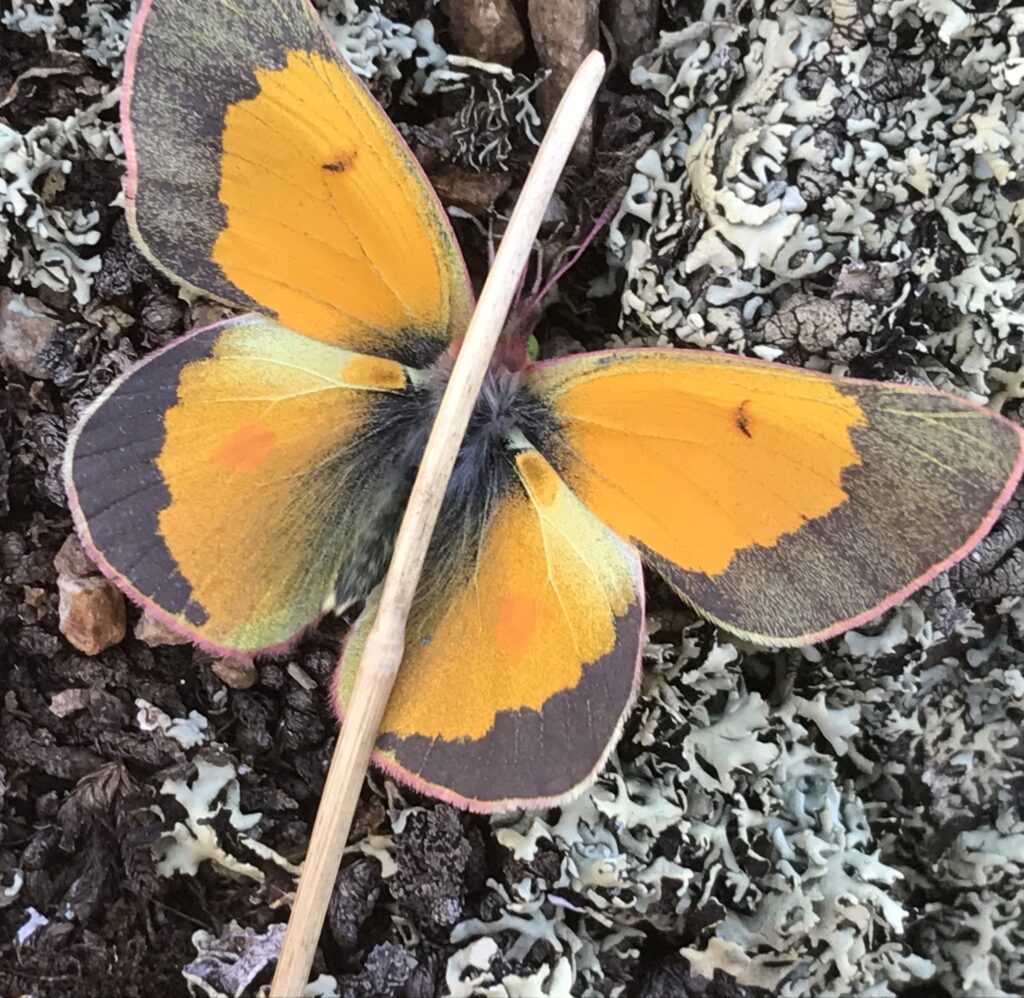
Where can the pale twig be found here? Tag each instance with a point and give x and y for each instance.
(382, 653)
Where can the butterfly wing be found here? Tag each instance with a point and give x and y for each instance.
(785, 505)
(522, 651)
(221, 481)
(262, 172)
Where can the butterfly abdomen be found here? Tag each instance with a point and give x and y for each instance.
(375, 474)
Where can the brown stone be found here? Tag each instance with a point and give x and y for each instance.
(72, 561)
(488, 30)
(564, 32)
(238, 673)
(37, 599)
(26, 327)
(154, 632)
(634, 25)
(470, 191)
(92, 613)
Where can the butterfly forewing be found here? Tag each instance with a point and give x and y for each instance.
(785, 505)
(262, 172)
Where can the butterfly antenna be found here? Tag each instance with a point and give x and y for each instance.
(518, 297)
(534, 302)
(538, 276)
(526, 310)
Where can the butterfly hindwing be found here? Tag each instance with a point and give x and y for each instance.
(522, 652)
(785, 505)
(220, 479)
(262, 172)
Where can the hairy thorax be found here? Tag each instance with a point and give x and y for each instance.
(400, 425)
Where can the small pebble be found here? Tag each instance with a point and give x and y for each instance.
(26, 329)
(92, 613)
(72, 560)
(238, 673)
(301, 676)
(155, 633)
(68, 702)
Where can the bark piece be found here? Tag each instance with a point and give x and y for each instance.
(564, 32)
(488, 30)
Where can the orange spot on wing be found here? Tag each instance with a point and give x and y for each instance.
(517, 621)
(245, 449)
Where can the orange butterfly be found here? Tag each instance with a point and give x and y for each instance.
(253, 473)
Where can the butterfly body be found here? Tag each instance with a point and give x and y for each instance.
(251, 474)
(379, 478)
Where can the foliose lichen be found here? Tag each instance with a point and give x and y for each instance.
(874, 149)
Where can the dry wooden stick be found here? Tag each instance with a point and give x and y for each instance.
(382, 654)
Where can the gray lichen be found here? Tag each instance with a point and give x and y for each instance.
(804, 135)
(44, 243)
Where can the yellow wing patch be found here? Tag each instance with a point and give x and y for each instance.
(539, 588)
(535, 642)
(354, 245)
(700, 460)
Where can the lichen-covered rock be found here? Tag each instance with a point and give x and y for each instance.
(432, 855)
(355, 892)
(227, 964)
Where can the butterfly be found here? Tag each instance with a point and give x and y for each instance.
(253, 473)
